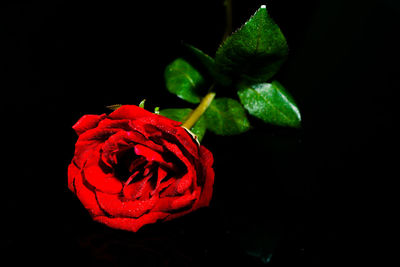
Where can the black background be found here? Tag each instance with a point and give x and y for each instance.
(318, 195)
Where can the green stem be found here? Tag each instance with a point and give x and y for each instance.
(228, 17)
(206, 101)
(201, 108)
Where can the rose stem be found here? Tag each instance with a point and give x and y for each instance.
(201, 108)
(206, 101)
(228, 16)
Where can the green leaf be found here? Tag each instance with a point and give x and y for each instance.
(181, 114)
(255, 52)
(271, 103)
(209, 63)
(184, 80)
(225, 116)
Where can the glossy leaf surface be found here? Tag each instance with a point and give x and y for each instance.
(271, 103)
(226, 116)
(255, 52)
(183, 80)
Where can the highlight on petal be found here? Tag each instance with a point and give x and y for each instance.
(87, 122)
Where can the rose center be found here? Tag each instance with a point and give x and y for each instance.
(127, 163)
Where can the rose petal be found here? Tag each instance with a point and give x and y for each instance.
(208, 177)
(89, 141)
(87, 122)
(130, 112)
(206, 157)
(179, 135)
(105, 182)
(97, 134)
(189, 210)
(135, 164)
(138, 188)
(138, 138)
(184, 201)
(115, 206)
(123, 124)
(148, 153)
(86, 196)
(72, 172)
(164, 188)
(124, 140)
(186, 180)
(161, 174)
(131, 178)
(168, 204)
(148, 126)
(112, 146)
(158, 120)
(83, 151)
(131, 224)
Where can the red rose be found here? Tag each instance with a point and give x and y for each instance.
(133, 167)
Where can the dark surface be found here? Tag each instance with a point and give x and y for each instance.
(283, 197)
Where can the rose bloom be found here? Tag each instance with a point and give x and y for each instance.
(133, 167)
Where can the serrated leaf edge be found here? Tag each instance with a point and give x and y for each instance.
(242, 26)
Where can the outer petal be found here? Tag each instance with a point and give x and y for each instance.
(131, 224)
(115, 206)
(173, 133)
(130, 112)
(208, 178)
(72, 172)
(169, 204)
(160, 120)
(186, 180)
(97, 134)
(86, 196)
(186, 211)
(89, 141)
(87, 122)
(184, 138)
(116, 124)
